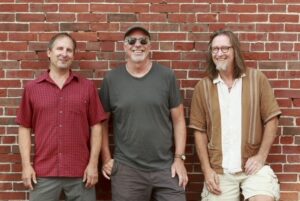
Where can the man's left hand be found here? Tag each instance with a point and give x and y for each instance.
(90, 176)
(254, 164)
(179, 169)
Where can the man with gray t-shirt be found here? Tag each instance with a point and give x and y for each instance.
(144, 100)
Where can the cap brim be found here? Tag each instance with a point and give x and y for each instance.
(134, 28)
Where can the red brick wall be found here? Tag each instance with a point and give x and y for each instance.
(269, 31)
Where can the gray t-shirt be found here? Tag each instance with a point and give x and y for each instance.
(142, 124)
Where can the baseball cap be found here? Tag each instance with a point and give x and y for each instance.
(136, 27)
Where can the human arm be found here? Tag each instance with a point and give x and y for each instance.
(256, 162)
(178, 167)
(210, 176)
(91, 171)
(107, 161)
(28, 173)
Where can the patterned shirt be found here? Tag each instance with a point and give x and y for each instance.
(61, 120)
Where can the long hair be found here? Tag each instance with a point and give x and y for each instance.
(61, 35)
(239, 65)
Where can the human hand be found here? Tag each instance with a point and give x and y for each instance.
(212, 182)
(28, 176)
(179, 169)
(90, 176)
(254, 164)
(107, 168)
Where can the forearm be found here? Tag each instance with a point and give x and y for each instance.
(95, 144)
(25, 145)
(201, 142)
(268, 137)
(105, 151)
(179, 129)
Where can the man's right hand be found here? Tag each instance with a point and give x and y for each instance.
(28, 176)
(107, 168)
(212, 182)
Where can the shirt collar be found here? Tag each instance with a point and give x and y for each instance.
(219, 79)
(45, 77)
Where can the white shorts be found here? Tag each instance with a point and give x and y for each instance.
(264, 182)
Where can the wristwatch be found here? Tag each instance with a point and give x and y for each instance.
(181, 156)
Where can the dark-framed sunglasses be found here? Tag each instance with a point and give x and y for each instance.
(132, 40)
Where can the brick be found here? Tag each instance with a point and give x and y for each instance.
(121, 17)
(85, 56)
(107, 36)
(288, 74)
(239, 27)
(293, 65)
(104, 8)
(207, 18)
(185, 65)
(30, 1)
(35, 64)
(43, 27)
(171, 36)
(13, 27)
(22, 36)
(181, 18)
(269, 27)
(293, 8)
(164, 27)
(185, 46)
(271, 65)
(218, 8)
(272, 8)
(194, 8)
(272, 46)
(160, 8)
(165, 56)
(30, 17)
(74, 27)
(256, 56)
(13, 195)
(19, 74)
(14, 8)
(292, 27)
(284, 56)
(9, 64)
(145, 17)
(284, 18)
(253, 18)
(112, 27)
(91, 17)
(287, 177)
(37, 46)
(43, 7)
(134, 8)
(22, 55)
(93, 64)
(290, 196)
(60, 17)
(293, 158)
(76, 8)
(7, 17)
(228, 18)
(295, 84)
(242, 8)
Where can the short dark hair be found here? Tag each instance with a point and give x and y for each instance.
(239, 64)
(61, 35)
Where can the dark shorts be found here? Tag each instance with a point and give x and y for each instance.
(129, 184)
(49, 189)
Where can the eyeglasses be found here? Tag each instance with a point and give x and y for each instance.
(132, 41)
(224, 49)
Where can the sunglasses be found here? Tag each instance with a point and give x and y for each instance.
(132, 41)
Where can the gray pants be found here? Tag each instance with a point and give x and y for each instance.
(49, 189)
(129, 184)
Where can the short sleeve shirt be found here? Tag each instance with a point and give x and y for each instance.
(142, 123)
(61, 120)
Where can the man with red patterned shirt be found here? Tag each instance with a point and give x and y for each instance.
(65, 113)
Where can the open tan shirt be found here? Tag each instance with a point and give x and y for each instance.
(258, 107)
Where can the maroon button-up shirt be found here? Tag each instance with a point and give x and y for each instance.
(61, 120)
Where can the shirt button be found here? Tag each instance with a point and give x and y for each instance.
(60, 112)
(60, 125)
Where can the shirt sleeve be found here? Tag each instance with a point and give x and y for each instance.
(197, 113)
(104, 95)
(24, 115)
(96, 111)
(269, 106)
(175, 97)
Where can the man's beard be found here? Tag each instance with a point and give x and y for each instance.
(222, 66)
